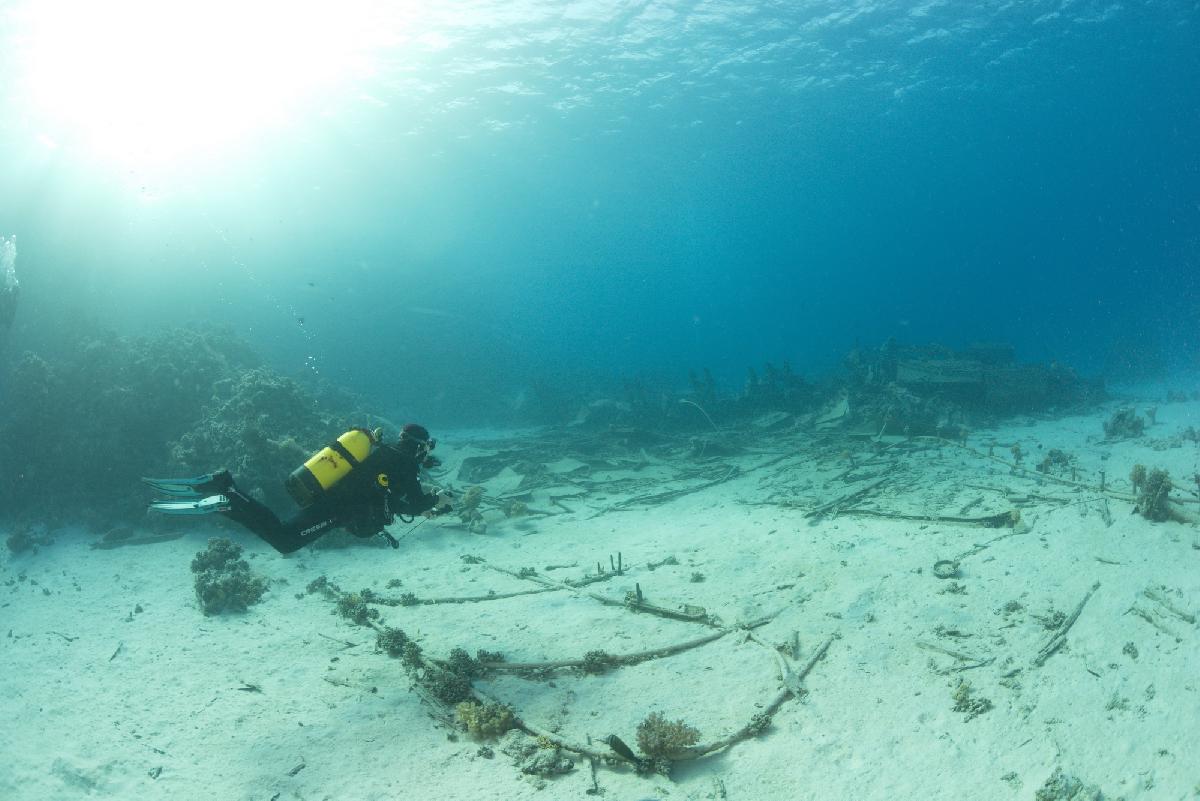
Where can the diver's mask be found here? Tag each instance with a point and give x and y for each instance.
(424, 457)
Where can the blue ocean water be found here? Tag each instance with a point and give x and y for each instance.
(501, 195)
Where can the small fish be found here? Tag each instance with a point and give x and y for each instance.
(618, 746)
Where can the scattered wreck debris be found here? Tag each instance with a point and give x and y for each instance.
(932, 389)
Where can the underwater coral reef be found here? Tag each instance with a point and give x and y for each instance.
(86, 421)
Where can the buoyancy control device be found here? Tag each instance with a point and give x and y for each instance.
(328, 466)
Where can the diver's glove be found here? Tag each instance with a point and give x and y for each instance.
(445, 499)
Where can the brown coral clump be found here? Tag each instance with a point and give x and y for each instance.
(1124, 424)
(224, 582)
(1153, 501)
(485, 720)
(659, 737)
(1137, 476)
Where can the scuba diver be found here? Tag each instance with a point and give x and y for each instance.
(356, 482)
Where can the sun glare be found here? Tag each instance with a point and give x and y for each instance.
(156, 82)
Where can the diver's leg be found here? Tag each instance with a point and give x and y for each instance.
(219, 482)
(192, 506)
(302, 529)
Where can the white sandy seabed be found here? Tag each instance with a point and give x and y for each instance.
(114, 685)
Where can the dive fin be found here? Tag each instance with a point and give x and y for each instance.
(197, 487)
(203, 506)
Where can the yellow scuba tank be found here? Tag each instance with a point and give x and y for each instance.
(328, 466)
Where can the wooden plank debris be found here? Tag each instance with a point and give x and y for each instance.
(1060, 635)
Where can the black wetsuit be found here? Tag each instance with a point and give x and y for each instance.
(384, 485)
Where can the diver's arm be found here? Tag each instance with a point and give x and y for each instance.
(443, 500)
(405, 483)
(416, 500)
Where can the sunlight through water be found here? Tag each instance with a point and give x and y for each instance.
(162, 84)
